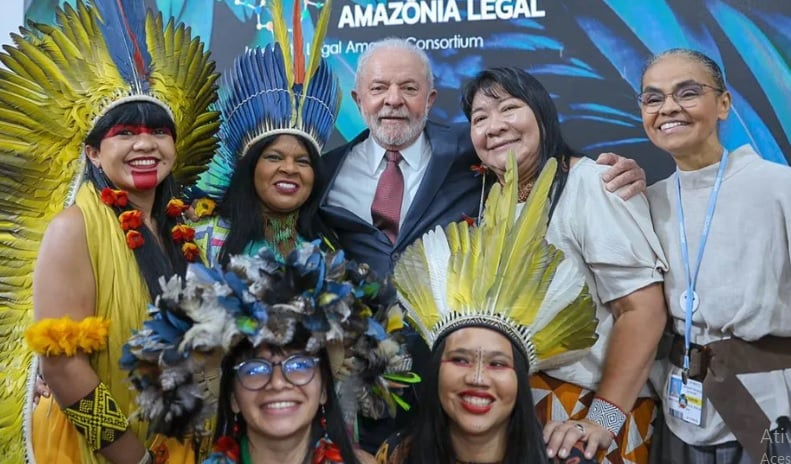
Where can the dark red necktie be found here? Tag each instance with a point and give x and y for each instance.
(386, 207)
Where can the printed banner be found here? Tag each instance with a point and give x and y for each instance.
(588, 53)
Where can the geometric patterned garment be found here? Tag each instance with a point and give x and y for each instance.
(560, 401)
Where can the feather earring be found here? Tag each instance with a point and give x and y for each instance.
(326, 450)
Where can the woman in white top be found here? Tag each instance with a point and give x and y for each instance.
(724, 220)
(603, 399)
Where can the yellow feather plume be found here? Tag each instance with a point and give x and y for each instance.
(280, 31)
(187, 81)
(504, 273)
(319, 32)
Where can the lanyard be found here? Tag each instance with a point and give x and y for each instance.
(693, 277)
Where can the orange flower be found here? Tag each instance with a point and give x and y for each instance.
(191, 251)
(131, 219)
(469, 220)
(134, 239)
(175, 207)
(161, 454)
(182, 233)
(204, 207)
(111, 197)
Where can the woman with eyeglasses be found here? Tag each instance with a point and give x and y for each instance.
(280, 400)
(724, 220)
(306, 345)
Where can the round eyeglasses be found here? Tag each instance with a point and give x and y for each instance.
(686, 95)
(256, 373)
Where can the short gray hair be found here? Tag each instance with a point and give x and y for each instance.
(394, 43)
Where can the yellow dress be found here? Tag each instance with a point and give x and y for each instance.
(122, 298)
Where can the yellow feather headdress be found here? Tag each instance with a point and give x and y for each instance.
(502, 275)
(58, 80)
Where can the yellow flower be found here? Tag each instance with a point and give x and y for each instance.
(204, 207)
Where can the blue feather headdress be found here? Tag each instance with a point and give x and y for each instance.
(123, 26)
(263, 300)
(271, 91)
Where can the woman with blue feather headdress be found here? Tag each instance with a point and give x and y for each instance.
(277, 114)
(307, 339)
(105, 117)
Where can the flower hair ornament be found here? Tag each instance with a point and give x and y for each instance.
(56, 82)
(502, 275)
(273, 91)
(263, 300)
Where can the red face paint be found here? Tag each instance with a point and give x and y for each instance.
(145, 180)
(136, 129)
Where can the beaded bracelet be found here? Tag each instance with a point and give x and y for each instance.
(98, 418)
(607, 415)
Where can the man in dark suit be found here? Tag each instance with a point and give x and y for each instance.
(404, 175)
(394, 91)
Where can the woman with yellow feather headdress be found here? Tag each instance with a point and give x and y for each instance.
(495, 303)
(104, 116)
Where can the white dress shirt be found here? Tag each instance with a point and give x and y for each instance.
(358, 176)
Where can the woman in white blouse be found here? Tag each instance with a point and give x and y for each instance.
(604, 397)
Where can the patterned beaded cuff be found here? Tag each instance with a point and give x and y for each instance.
(607, 415)
(98, 418)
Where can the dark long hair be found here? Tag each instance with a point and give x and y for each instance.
(242, 207)
(153, 261)
(429, 442)
(333, 414)
(520, 84)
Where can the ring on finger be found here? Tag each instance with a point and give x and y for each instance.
(580, 427)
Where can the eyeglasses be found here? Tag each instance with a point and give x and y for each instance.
(256, 373)
(687, 96)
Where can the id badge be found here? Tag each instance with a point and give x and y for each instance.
(685, 401)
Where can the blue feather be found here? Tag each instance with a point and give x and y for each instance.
(236, 284)
(203, 274)
(123, 27)
(744, 125)
(772, 72)
(375, 330)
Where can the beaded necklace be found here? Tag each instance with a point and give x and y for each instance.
(280, 234)
(524, 190)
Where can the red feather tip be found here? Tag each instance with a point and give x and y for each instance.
(299, 48)
(138, 56)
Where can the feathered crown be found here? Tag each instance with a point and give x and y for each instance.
(263, 300)
(270, 91)
(58, 79)
(502, 275)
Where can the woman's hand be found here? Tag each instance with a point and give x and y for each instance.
(41, 389)
(561, 437)
(625, 176)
